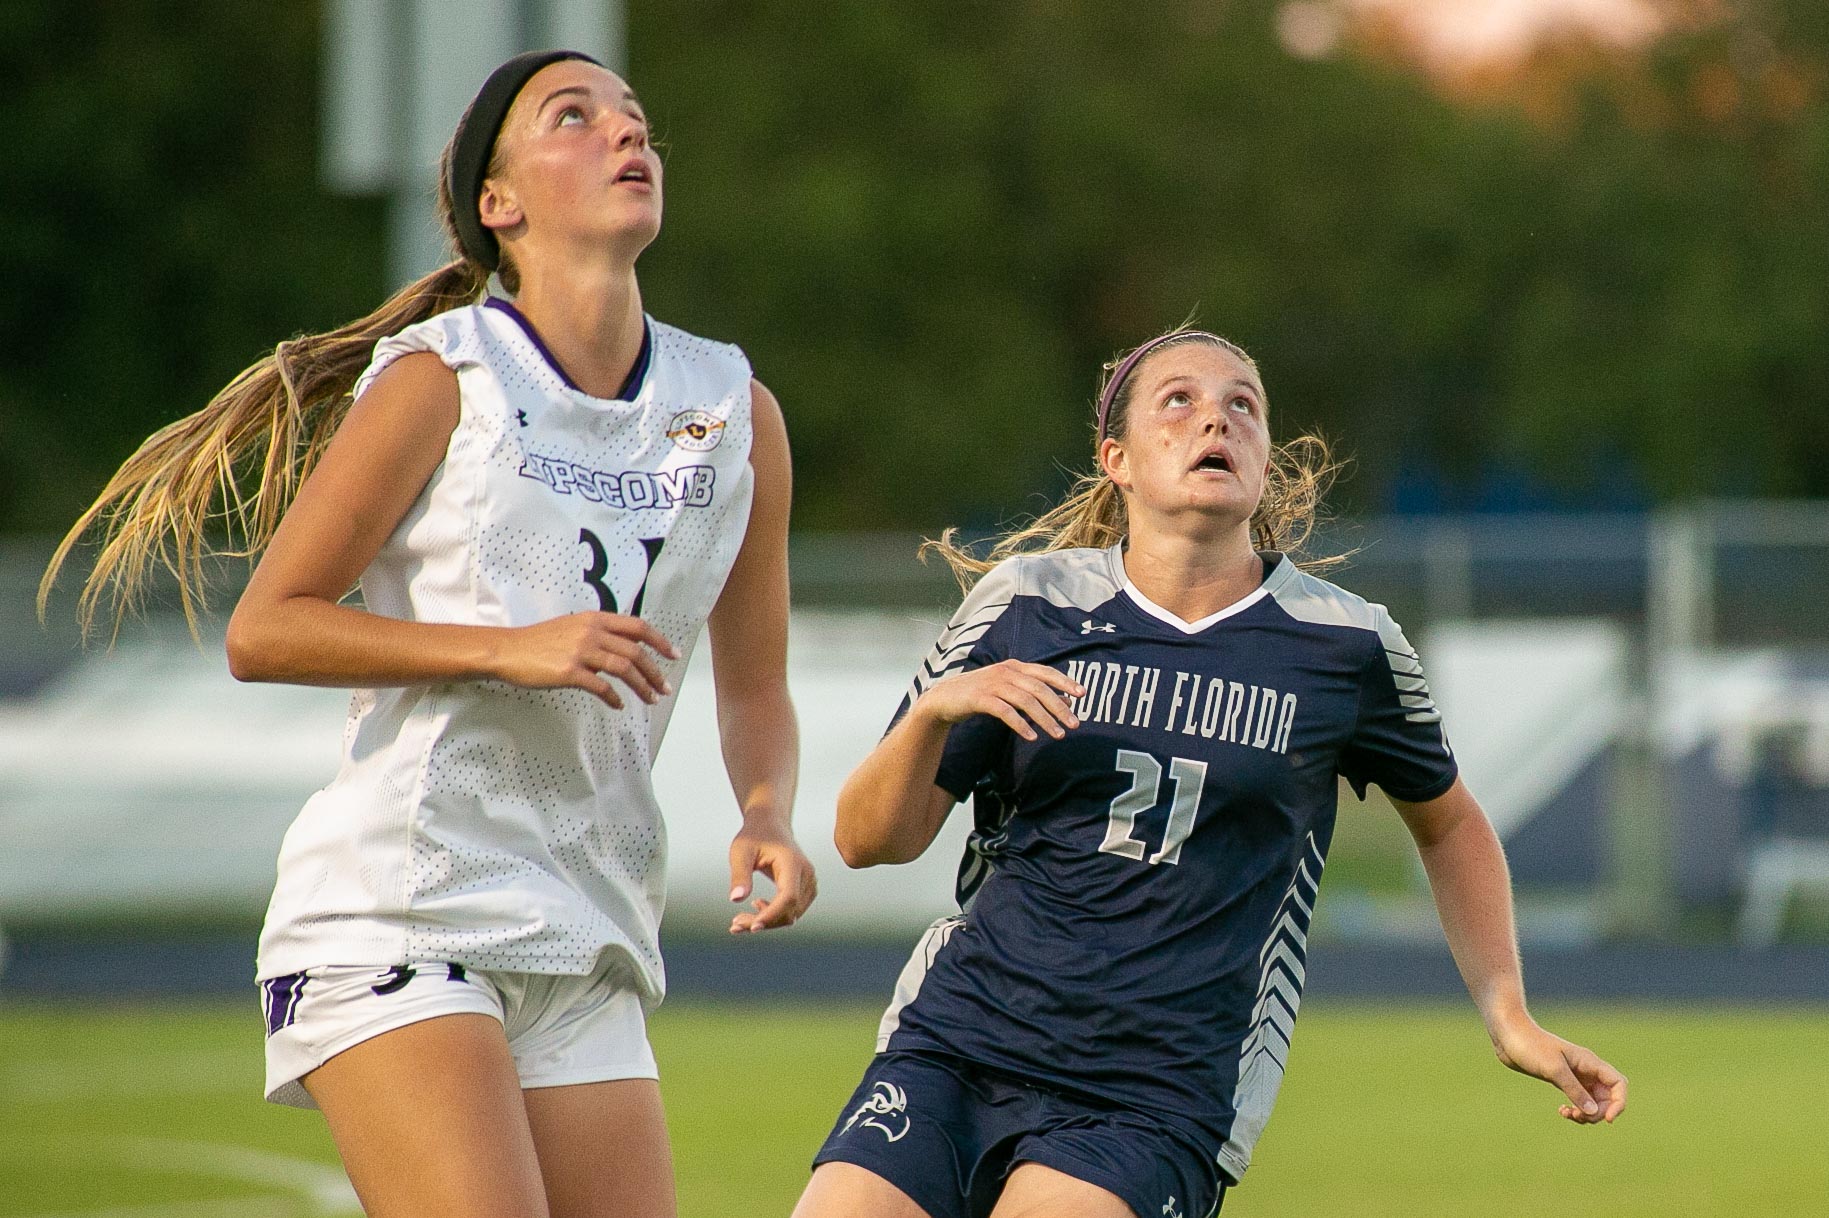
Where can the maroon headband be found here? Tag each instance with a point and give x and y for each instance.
(1130, 362)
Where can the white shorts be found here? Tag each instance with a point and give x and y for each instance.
(561, 1029)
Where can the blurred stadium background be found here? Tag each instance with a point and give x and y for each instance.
(1555, 273)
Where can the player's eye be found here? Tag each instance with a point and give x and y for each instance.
(1242, 403)
(1178, 398)
(571, 116)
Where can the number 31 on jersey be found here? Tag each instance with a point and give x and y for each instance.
(600, 567)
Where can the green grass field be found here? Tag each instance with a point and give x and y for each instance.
(154, 1112)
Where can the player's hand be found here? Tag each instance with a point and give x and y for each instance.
(584, 650)
(1018, 693)
(1596, 1091)
(773, 852)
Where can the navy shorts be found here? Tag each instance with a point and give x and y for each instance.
(948, 1132)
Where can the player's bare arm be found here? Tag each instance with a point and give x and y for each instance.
(290, 625)
(1466, 868)
(453, 502)
(757, 728)
(890, 809)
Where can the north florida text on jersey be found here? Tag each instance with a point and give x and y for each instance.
(1212, 707)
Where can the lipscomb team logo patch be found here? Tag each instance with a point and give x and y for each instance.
(696, 431)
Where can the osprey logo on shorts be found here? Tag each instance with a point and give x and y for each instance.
(696, 431)
(887, 1103)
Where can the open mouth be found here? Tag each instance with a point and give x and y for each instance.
(636, 173)
(1215, 462)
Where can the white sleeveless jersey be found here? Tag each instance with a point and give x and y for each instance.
(479, 822)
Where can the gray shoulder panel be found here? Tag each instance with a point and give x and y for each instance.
(1082, 579)
(1309, 598)
(983, 605)
(996, 587)
(1073, 579)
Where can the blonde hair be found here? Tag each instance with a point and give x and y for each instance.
(1094, 516)
(217, 482)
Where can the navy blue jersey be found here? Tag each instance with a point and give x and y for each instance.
(1136, 897)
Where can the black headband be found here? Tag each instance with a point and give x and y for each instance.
(475, 145)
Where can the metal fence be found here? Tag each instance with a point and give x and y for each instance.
(1711, 795)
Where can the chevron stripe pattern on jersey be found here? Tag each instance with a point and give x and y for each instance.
(954, 646)
(1412, 687)
(1282, 964)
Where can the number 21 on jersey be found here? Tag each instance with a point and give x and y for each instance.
(1189, 777)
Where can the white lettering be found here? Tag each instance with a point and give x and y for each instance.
(1130, 672)
(609, 488)
(1181, 678)
(637, 490)
(692, 486)
(1083, 707)
(1146, 698)
(1266, 717)
(1209, 714)
(1189, 724)
(1110, 690)
(1285, 722)
(1235, 699)
(673, 486)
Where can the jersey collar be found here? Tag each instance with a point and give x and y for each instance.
(631, 386)
(1278, 566)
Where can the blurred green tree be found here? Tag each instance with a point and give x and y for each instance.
(929, 225)
(164, 223)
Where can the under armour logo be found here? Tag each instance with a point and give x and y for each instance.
(1087, 627)
(888, 1102)
(1169, 1210)
(520, 416)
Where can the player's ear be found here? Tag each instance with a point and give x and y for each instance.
(1115, 462)
(498, 207)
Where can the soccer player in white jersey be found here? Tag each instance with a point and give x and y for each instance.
(542, 501)
(1150, 705)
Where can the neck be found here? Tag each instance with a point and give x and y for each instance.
(1192, 575)
(590, 317)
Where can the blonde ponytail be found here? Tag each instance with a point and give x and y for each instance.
(185, 494)
(218, 481)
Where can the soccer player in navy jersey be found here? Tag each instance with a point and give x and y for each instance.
(1149, 704)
